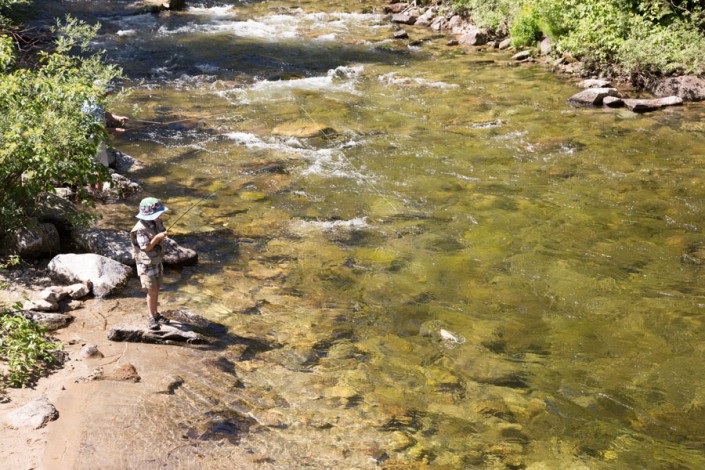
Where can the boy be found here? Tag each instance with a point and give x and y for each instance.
(147, 238)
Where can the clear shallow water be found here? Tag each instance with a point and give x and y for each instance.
(465, 270)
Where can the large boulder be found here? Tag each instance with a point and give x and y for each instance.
(113, 244)
(116, 245)
(645, 106)
(687, 87)
(106, 275)
(592, 96)
(177, 255)
(36, 241)
(57, 211)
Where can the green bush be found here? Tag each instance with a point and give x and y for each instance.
(45, 137)
(487, 14)
(24, 347)
(524, 29)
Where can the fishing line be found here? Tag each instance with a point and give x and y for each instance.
(349, 162)
(193, 206)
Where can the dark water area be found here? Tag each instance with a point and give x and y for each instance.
(463, 271)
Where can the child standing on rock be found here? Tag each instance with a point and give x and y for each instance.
(147, 238)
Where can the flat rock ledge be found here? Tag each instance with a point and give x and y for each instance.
(645, 105)
(167, 334)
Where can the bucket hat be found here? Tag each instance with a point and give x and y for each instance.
(150, 208)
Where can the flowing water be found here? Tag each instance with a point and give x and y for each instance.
(461, 270)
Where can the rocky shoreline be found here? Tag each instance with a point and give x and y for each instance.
(663, 91)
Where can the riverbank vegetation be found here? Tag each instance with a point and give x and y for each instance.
(630, 39)
(46, 137)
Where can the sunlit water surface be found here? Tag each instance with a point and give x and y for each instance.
(463, 269)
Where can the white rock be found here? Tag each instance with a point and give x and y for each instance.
(34, 415)
(41, 305)
(106, 275)
(77, 291)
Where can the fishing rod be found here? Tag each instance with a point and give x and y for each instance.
(193, 206)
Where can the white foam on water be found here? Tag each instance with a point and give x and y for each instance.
(342, 79)
(304, 226)
(392, 79)
(225, 10)
(326, 163)
(323, 26)
(126, 32)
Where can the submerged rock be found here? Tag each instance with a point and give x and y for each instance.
(303, 130)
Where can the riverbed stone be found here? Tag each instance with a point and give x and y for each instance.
(648, 105)
(34, 415)
(613, 101)
(404, 18)
(52, 321)
(36, 240)
(522, 55)
(400, 34)
(426, 18)
(474, 37)
(77, 291)
(90, 351)
(42, 305)
(546, 46)
(106, 275)
(592, 96)
(53, 294)
(687, 87)
(505, 43)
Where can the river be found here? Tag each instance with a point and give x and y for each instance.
(461, 270)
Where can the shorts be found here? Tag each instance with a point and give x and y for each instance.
(151, 282)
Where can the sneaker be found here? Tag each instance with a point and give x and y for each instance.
(163, 319)
(153, 324)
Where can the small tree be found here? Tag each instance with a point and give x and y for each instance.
(46, 138)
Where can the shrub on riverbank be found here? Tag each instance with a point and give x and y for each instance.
(628, 38)
(46, 138)
(24, 348)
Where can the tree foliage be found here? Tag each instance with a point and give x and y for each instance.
(46, 138)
